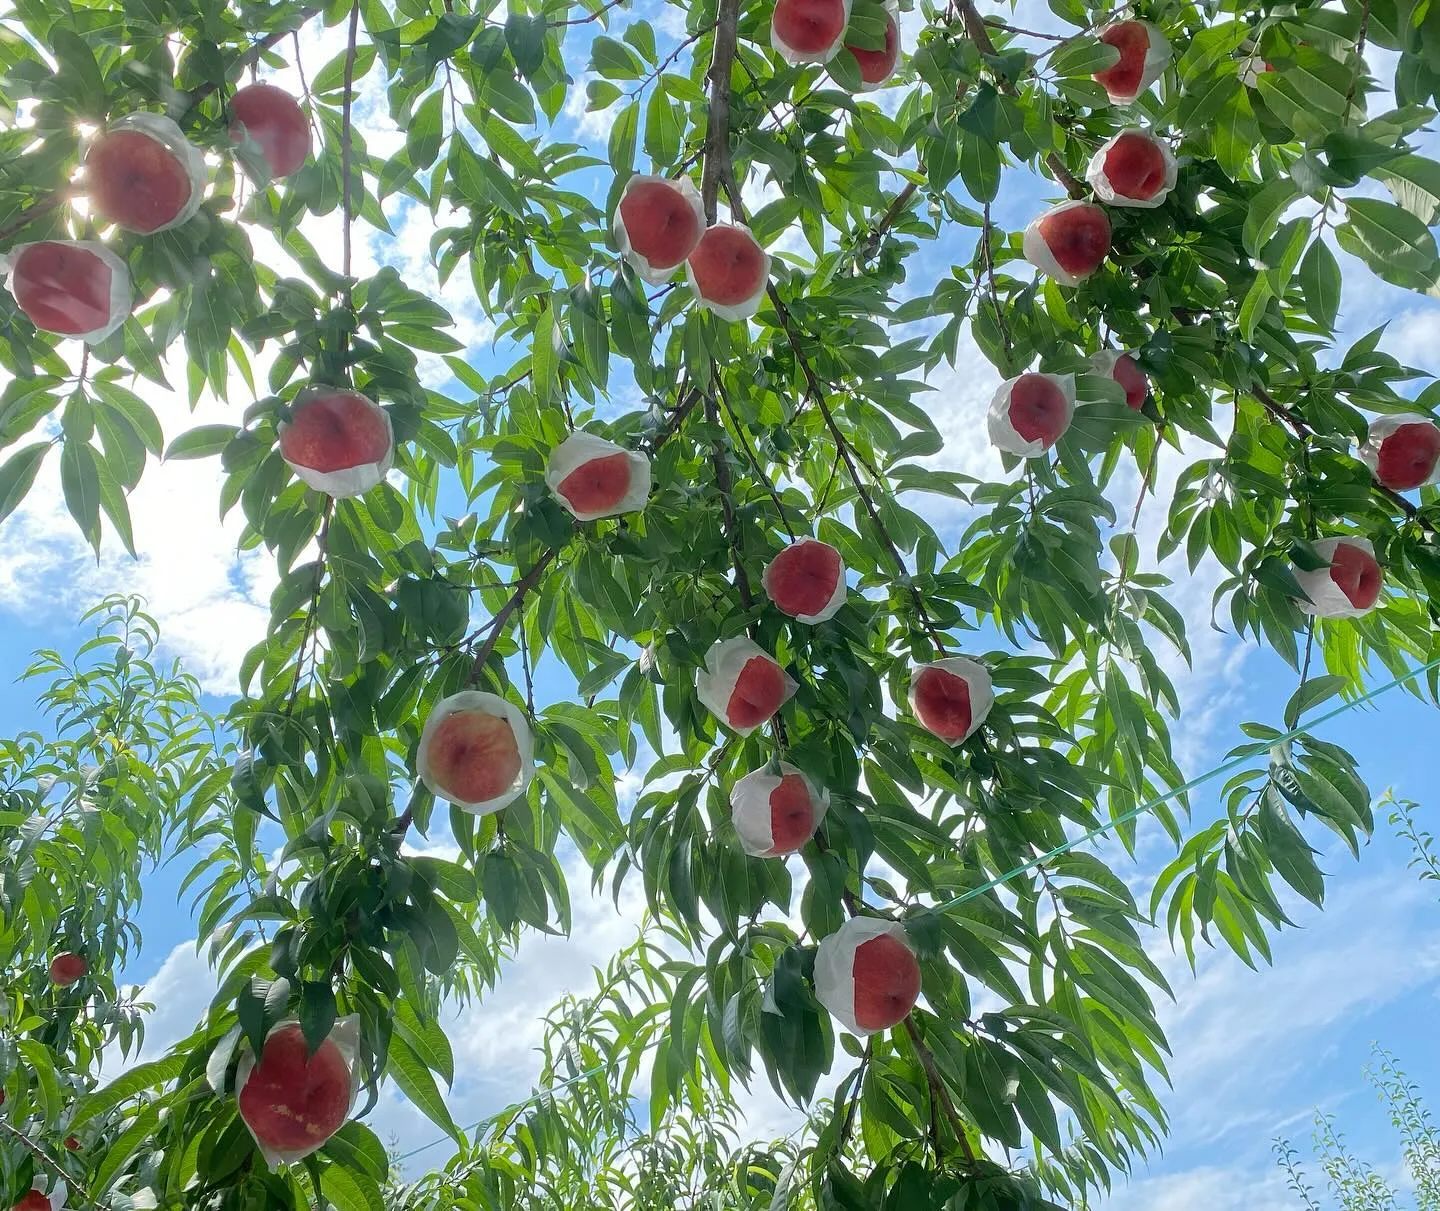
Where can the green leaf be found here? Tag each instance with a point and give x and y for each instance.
(18, 474)
(140, 1079)
(80, 482)
(1315, 691)
(1392, 241)
(406, 1069)
(201, 442)
(1320, 283)
(349, 1191)
(1262, 216)
(1288, 850)
(1414, 183)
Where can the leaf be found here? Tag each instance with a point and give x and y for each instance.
(1414, 183)
(1320, 283)
(622, 138)
(1288, 850)
(349, 1191)
(201, 442)
(408, 1072)
(1392, 241)
(80, 482)
(18, 474)
(1315, 691)
(1263, 214)
(126, 1086)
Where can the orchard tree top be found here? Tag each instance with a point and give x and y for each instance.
(692, 527)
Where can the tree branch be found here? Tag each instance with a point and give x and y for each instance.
(939, 1094)
(717, 169)
(1302, 429)
(45, 1159)
(346, 137)
(497, 624)
(726, 486)
(980, 35)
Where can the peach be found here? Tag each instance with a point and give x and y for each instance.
(269, 123)
(806, 580)
(1069, 241)
(1402, 450)
(1133, 168)
(76, 288)
(657, 224)
(595, 478)
(728, 271)
(867, 975)
(742, 685)
(293, 1100)
(1144, 55)
(142, 174)
(338, 441)
(877, 66)
(1030, 413)
(34, 1200)
(1126, 371)
(776, 814)
(67, 969)
(476, 751)
(1349, 586)
(808, 31)
(72, 1144)
(950, 698)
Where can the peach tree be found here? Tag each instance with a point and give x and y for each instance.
(690, 516)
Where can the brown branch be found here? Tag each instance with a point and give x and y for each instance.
(842, 445)
(1302, 429)
(726, 486)
(497, 624)
(994, 290)
(683, 408)
(45, 1159)
(717, 168)
(311, 614)
(595, 16)
(897, 207)
(753, 458)
(980, 35)
(1359, 57)
(938, 1092)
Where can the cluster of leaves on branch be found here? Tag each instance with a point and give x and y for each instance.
(439, 561)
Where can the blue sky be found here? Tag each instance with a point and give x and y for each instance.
(1255, 1053)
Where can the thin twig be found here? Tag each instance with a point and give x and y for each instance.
(313, 612)
(44, 1158)
(585, 20)
(989, 259)
(497, 624)
(717, 131)
(753, 458)
(938, 1090)
(1359, 58)
(346, 136)
(727, 504)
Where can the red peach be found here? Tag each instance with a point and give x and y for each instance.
(294, 1100)
(1133, 380)
(801, 580)
(758, 693)
(1078, 238)
(809, 27)
(792, 814)
(1408, 456)
(62, 287)
(72, 1143)
(334, 432)
(728, 266)
(135, 181)
(942, 703)
(887, 982)
(66, 969)
(474, 755)
(1135, 166)
(273, 120)
(1357, 574)
(598, 485)
(1132, 40)
(660, 223)
(33, 1201)
(1039, 411)
(877, 66)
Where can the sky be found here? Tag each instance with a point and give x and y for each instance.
(1255, 1053)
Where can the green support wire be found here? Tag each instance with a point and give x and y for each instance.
(1099, 831)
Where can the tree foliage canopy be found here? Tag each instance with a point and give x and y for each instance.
(1029, 1071)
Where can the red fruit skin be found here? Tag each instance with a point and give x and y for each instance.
(802, 578)
(729, 266)
(135, 181)
(887, 982)
(660, 223)
(33, 1201)
(294, 1101)
(1132, 40)
(1133, 380)
(72, 1143)
(66, 969)
(1357, 574)
(1135, 167)
(1078, 238)
(792, 815)
(597, 485)
(335, 432)
(758, 693)
(1037, 413)
(62, 288)
(942, 703)
(273, 119)
(1408, 456)
(877, 65)
(809, 26)
(475, 755)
